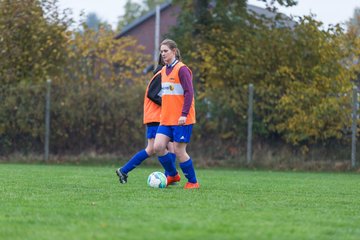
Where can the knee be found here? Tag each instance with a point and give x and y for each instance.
(180, 153)
(150, 150)
(159, 148)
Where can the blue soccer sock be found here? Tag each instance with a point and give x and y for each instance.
(188, 170)
(173, 159)
(135, 161)
(168, 164)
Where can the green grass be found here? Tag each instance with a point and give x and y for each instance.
(76, 202)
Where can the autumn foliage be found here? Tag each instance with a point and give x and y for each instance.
(96, 90)
(303, 74)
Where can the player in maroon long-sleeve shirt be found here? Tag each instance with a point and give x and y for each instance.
(177, 114)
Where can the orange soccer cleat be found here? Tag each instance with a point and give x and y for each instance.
(174, 179)
(190, 185)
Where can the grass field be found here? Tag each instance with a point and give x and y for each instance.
(78, 202)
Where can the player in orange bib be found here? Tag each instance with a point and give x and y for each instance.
(152, 111)
(177, 115)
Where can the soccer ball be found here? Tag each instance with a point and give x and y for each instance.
(157, 180)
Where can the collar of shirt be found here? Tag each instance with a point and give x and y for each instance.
(172, 64)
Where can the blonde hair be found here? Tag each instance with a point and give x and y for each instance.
(173, 46)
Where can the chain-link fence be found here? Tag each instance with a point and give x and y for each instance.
(108, 120)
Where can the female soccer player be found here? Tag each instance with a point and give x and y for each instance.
(152, 110)
(177, 115)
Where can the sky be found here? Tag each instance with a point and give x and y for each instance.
(327, 11)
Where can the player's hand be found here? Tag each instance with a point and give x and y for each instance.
(182, 120)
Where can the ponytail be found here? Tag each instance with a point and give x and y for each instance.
(177, 54)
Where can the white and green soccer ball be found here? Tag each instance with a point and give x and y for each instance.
(157, 180)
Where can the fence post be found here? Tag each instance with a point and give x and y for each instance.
(47, 119)
(354, 126)
(250, 124)
(157, 36)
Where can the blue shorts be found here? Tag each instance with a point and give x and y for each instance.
(151, 131)
(181, 134)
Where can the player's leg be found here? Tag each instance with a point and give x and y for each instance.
(170, 148)
(182, 135)
(139, 157)
(163, 136)
(160, 143)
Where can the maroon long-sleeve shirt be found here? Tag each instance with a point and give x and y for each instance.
(186, 83)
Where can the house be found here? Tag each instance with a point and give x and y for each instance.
(143, 28)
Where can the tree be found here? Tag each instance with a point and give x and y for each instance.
(353, 42)
(95, 56)
(151, 4)
(301, 82)
(99, 95)
(354, 22)
(94, 22)
(315, 103)
(97, 82)
(32, 42)
(33, 48)
(134, 10)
